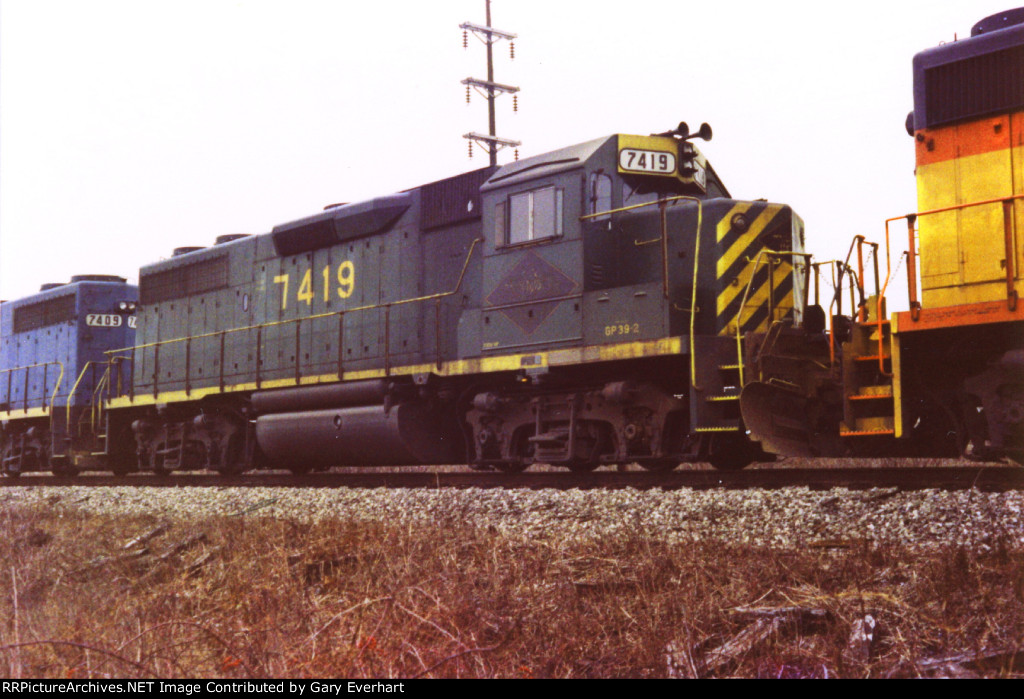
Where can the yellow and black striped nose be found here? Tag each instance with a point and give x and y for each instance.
(753, 288)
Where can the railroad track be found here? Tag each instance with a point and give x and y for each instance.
(989, 478)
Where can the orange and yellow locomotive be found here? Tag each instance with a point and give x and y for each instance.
(945, 377)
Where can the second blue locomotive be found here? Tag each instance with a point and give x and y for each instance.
(55, 373)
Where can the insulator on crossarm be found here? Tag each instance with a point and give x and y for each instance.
(465, 39)
(517, 155)
(470, 150)
(515, 103)
(512, 49)
(467, 94)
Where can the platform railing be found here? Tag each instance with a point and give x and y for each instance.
(773, 258)
(914, 302)
(862, 309)
(839, 270)
(127, 354)
(24, 395)
(1007, 203)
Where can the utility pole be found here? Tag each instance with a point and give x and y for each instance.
(488, 88)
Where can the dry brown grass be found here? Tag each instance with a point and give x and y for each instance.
(243, 597)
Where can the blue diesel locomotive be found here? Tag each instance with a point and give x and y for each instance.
(55, 375)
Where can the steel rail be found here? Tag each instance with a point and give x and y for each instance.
(908, 478)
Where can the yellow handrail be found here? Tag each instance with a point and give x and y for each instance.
(746, 293)
(56, 387)
(78, 381)
(261, 326)
(96, 405)
(915, 305)
(316, 316)
(664, 262)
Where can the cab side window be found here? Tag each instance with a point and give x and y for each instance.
(532, 215)
(600, 195)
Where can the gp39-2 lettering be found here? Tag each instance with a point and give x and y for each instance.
(622, 329)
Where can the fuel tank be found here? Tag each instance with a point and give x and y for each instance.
(407, 434)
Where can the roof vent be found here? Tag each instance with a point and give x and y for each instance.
(178, 252)
(343, 223)
(50, 285)
(97, 278)
(230, 237)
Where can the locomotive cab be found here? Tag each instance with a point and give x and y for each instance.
(577, 247)
(630, 247)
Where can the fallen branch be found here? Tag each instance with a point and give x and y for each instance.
(742, 643)
(802, 614)
(183, 546)
(107, 560)
(975, 659)
(146, 538)
(198, 564)
(766, 622)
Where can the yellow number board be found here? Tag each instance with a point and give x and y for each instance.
(660, 156)
(648, 155)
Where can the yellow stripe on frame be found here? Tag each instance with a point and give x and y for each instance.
(20, 413)
(460, 367)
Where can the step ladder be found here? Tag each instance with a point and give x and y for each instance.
(719, 408)
(869, 408)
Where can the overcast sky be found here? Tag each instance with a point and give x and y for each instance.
(129, 128)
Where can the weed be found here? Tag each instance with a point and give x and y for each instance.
(251, 597)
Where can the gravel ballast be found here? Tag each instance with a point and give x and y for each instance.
(785, 517)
